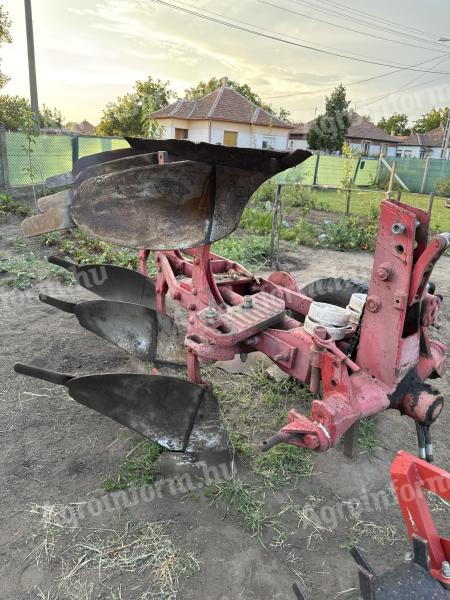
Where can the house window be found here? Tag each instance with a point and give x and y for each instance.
(181, 134)
(407, 154)
(269, 142)
(365, 147)
(384, 149)
(230, 138)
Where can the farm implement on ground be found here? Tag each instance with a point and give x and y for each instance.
(363, 349)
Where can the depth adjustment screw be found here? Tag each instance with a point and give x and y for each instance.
(248, 302)
(446, 569)
(398, 228)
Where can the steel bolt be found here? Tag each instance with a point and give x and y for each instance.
(192, 306)
(446, 569)
(398, 228)
(248, 302)
(373, 304)
(177, 295)
(384, 272)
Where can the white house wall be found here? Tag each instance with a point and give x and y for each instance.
(247, 137)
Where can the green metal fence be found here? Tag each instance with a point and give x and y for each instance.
(329, 171)
(47, 154)
(420, 174)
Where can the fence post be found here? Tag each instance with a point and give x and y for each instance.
(430, 203)
(378, 173)
(399, 195)
(75, 149)
(356, 170)
(391, 179)
(4, 176)
(316, 169)
(425, 175)
(347, 201)
(276, 223)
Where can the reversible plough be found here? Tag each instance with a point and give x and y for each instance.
(177, 198)
(362, 349)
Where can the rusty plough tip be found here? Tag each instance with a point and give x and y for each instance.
(160, 194)
(179, 415)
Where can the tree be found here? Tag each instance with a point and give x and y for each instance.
(132, 114)
(431, 120)
(396, 123)
(14, 112)
(328, 130)
(206, 87)
(50, 118)
(5, 37)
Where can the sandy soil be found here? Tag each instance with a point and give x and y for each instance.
(54, 451)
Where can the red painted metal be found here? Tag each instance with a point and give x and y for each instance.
(411, 476)
(230, 311)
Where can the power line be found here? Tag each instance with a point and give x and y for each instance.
(341, 6)
(355, 19)
(405, 86)
(239, 27)
(359, 32)
(355, 82)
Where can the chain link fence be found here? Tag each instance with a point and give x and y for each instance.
(30, 160)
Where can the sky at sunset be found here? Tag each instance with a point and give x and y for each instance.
(89, 52)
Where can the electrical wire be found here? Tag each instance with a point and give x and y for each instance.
(321, 89)
(275, 37)
(354, 19)
(343, 27)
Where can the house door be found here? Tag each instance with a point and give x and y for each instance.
(230, 138)
(181, 134)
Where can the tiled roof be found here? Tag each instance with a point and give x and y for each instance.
(224, 104)
(360, 128)
(429, 139)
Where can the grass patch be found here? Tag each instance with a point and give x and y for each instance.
(256, 406)
(250, 250)
(9, 206)
(385, 535)
(138, 468)
(367, 436)
(133, 547)
(28, 269)
(83, 249)
(245, 501)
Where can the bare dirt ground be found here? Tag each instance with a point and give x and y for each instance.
(56, 454)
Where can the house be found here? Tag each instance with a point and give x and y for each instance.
(363, 136)
(223, 117)
(421, 145)
(84, 128)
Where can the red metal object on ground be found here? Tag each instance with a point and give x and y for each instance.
(411, 477)
(230, 311)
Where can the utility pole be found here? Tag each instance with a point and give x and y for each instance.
(446, 138)
(32, 63)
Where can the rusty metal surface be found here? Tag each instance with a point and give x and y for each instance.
(102, 157)
(55, 219)
(111, 282)
(113, 166)
(58, 200)
(250, 159)
(160, 206)
(131, 327)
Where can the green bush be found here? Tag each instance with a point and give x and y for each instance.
(250, 250)
(265, 193)
(351, 233)
(443, 187)
(9, 206)
(257, 221)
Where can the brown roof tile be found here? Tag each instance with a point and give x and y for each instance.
(360, 128)
(429, 139)
(223, 104)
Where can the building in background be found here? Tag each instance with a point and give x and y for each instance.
(223, 117)
(422, 145)
(363, 136)
(84, 128)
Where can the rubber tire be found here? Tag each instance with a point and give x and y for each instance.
(334, 290)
